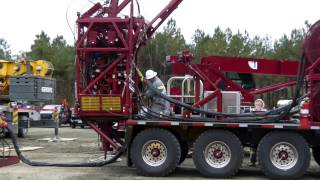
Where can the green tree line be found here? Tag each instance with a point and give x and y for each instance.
(59, 53)
(169, 41)
(62, 56)
(222, 42)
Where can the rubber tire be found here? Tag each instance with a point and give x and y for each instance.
(173, 152)
(295, 139)
(22, 132)
(316, 154)
(184, 151)
(229, 139)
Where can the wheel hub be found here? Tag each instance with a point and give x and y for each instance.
(284, 155)
(217, 154)
(154, 153)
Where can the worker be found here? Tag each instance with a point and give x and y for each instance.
(56, 118)
(259, 106)
(158, 105)
(56, 114)
(65, 112)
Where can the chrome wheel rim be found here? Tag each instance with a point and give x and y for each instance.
(284, 155)
(217, 154)
(154, 153)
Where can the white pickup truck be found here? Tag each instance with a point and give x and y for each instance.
(47, 111)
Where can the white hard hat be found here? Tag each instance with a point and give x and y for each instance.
(150, 74)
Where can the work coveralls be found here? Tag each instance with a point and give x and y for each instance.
(158, 105)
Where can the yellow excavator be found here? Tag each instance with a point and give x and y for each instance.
(24, 81)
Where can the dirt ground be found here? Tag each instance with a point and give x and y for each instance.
(85, 149)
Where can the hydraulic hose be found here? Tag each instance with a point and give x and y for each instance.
(187, 106)
(153, 114)
(300, 80)
(85, 164)
(281, 112)
(266, 119)
(157, 115)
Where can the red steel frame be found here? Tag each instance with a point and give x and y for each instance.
(212, 71)
(313, 76)
(103, 34)
(124, 36)
(130, 32)
(312, 85)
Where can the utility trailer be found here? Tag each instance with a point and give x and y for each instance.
(212, 110)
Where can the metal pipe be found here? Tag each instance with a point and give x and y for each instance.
(103, 135)
(273, 87)
(207, 99)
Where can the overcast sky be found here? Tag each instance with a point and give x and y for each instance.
(21, 20)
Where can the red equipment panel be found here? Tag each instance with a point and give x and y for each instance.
(252, 65)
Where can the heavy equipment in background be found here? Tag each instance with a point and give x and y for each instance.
(23, 81)
(212, 101)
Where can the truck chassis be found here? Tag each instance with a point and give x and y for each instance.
(107, 87)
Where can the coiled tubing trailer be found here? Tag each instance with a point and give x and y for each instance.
(211, 101)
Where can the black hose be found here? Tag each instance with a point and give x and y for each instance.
(281, 112)
(138, 5)
(153, 114)
(187, 106)
(157, 115)
(262, 120)
(34, 163)
(300, 81)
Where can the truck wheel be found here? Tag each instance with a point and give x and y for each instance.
(155, 152)
(184, 151)
(283, 155)
(22, 132)
(316, 154)
(218, 153)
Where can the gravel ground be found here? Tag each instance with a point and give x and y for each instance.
(85, 148)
